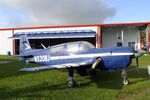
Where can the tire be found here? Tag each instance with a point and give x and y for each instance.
(71, 83)
(125, 82)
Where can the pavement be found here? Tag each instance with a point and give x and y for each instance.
(4, 62)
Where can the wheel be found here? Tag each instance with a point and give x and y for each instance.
(71, 83)
(125, 82)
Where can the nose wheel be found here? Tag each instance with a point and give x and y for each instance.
(124, 76)
(125, 82)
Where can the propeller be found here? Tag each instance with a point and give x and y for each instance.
(137, 62)
(137, 54)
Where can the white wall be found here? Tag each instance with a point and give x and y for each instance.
(130, 34)
(5, 43)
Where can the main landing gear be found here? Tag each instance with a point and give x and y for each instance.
(72, 82)
(124, 76)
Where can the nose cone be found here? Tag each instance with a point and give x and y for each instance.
(139, 53)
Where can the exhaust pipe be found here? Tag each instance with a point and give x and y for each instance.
(97, 61)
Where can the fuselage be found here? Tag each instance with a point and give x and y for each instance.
(83, 53)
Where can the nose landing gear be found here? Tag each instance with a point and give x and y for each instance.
(124, 76)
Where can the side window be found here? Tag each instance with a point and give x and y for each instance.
(119, 44)
(131, 44)
(73, 47)
(57, 49)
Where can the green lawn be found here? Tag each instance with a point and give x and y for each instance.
(52, 84)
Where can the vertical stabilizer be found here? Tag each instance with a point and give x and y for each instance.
(24, 44)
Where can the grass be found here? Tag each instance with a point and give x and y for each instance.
(52, 84)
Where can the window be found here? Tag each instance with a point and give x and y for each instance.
(131, 44)
(119, 44)
(57, 49)
(73, 47)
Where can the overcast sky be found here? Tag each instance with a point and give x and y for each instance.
(20, 13)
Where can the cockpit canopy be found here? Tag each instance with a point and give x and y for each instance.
(72, 47)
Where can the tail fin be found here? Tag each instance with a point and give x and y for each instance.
(24, 44)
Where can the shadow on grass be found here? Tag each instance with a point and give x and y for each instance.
(35, 91)
(102, 80)
(114, 80)
(12, 69)
(32, 91)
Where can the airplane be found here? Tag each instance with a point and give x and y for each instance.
(72, 55)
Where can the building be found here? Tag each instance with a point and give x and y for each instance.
(101, 35)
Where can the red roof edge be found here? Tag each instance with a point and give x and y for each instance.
(76, 25)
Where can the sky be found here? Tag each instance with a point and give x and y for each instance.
(130, 11)
(26, 13)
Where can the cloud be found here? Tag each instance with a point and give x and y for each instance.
(60, 12)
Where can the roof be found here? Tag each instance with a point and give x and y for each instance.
(57, 34)
(78, 25)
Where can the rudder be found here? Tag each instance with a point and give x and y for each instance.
(24, 44)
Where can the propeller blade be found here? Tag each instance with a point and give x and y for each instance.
(137, 62)
(139, 53)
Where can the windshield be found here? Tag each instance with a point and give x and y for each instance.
(72, 47)
(86, 46)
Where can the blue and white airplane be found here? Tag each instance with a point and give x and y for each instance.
(77, 54)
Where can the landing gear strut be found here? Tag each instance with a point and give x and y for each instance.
(71, 82)
(124, 76)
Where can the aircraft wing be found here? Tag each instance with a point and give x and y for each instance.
(41, 68)
(60, 66)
